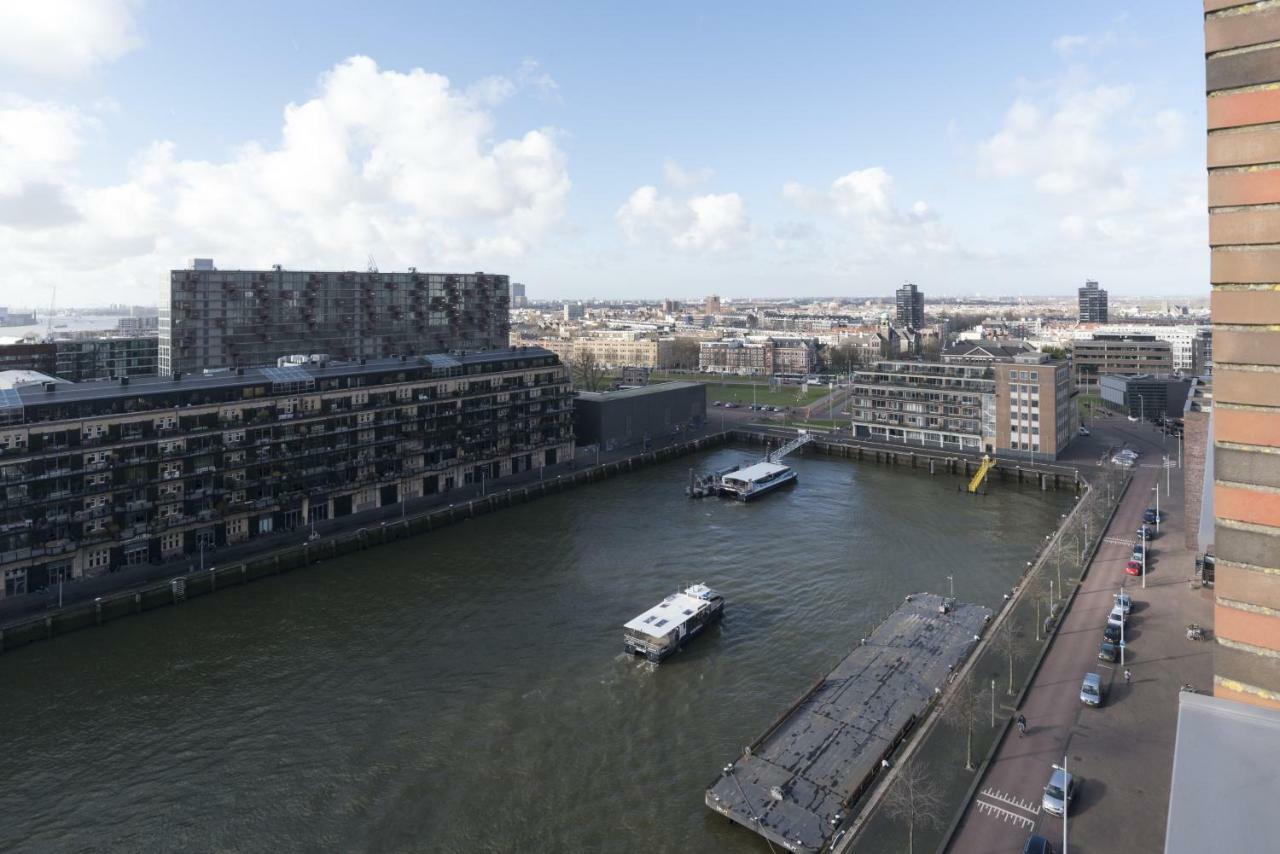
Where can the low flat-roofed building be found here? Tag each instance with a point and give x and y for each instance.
(619, 419)
(1105, 354)
(1145, 396)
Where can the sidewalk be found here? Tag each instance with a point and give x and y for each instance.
(1121, 752)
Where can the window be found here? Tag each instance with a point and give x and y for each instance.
(98, 559)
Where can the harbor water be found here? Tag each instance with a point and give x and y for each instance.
(466, 691)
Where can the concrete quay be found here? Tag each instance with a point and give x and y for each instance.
(794, 785)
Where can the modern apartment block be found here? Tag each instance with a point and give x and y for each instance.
(103, 474)
(1192, 346)
(1107, 353)
(85, 358)
(1093, 303)
(1014, 406)
(237, 318)
(1242, 70)
(759, 355)
(910, 307)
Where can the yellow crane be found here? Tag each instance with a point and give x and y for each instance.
(987, 465)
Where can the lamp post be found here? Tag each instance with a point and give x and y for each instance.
(993, 703)
(952, 581)
(1142, 409)
(1066, 791)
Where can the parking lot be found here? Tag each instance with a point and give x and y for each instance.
(1121, 751)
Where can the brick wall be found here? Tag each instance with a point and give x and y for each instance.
(1242, 73)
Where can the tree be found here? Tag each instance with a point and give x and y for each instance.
(915, 796)
(684, 354)
(963, 713)
(588, 375)
(843, 358)
(1009, 641)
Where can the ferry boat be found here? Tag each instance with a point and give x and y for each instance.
(753, 481)
(673, 622)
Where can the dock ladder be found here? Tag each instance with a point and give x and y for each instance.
(987, 465)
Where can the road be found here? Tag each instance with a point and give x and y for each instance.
(1122, 751)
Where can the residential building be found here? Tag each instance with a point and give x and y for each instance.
(137, 326)
(910, 307)
(1106, 353)
(235, 318)
(1243, 82)
(711, 305)
(1019, 405)
(1093, 303)
(1145, 396)
(41, 357)
(518, 297)
(613, 349)
(796, 356)
(573, 311)
(634, 416)
(80, 359)
(985, 352)
(100, 475)
(760, 355)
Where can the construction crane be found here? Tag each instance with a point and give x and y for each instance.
(987, 465)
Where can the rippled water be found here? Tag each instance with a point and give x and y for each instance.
(466, 691)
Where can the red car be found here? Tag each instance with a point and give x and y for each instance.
(1133, 567)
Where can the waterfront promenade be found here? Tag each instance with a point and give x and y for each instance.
(1122, 752)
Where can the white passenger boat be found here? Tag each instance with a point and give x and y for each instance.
(752, 481)
(673, 622)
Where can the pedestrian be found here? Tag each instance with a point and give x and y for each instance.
(1128, 676)
(1022, 725)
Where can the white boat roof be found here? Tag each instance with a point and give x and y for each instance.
(756, 472)
(668, 614)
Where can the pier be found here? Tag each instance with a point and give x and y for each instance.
(794, 785)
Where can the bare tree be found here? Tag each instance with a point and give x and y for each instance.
(963, 713)
(684, 354)
(1009, 641)
(588, 375)
(915, 795)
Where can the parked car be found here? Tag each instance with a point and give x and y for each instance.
(1139, 551)
(1117, 617)
(1144, 533)
(1084, 431)
(1108, 652)
(717, 403)
(1091, 690)
(1111, 634)
(1118, 460)
(1123, 600)
(1037, 845)
(1133, 567)
(1133, 418)
(1149, 516)
(1059, 792)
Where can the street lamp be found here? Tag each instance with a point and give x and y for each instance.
(1142, 409)
(952, 581)
(1066, 791)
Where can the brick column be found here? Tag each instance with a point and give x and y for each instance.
(1242, 73)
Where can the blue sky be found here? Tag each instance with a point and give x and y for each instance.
(620, 150)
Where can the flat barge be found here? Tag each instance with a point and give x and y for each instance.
(796, 783)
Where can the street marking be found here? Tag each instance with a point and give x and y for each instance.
(1012, 800)
(1005, 815)
(1116, 541)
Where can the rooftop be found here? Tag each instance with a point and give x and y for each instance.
(755, 472)
(638, 391)
(677, 608)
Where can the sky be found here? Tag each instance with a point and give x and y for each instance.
(608, 150)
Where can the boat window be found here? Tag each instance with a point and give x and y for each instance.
(687, 612)
(661, 623)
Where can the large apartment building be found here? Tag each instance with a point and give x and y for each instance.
(1107, 353)
(1092, 303)
(103, 474)
(759, 355)
(236, 318)
(909, 307)
(84, 358)
(1020, 405)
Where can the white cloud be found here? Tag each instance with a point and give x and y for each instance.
(65, 38)
(864, 204)
(678, 178)
(709, 223)
(1066, 44)
(399, 165)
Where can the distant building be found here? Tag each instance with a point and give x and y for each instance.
(138, 325)
(238, 318)
(572, 311)
(759, 355)
(518, 297)
(1191, 345)
(711, 305)
(613, 349)
(85, 358)
(619, 419)
(910, 307)
(1093, 303)
(1105, 354)
(1144, 395)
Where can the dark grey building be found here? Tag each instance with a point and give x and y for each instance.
(1093, 303)
(85, 358)
(910, 305)
(618, 419)
(1145, 396)
(241, 318)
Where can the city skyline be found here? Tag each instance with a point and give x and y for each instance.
(556, 152)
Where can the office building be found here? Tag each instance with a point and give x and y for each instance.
(1093, 303)
(518, 298)
(910, 307)
(1244, 233)
(100, 475)
(1105, 353)
(1144, 396)
(612, 349)
(1191, 346)
(1018, 406)
(711, 305)
(237, 318)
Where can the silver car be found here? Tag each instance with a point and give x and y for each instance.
(1058, 793)
(1091, 691)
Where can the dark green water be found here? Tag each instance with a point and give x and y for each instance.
(466, 691)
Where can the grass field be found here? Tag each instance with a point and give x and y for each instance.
(738, 390)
